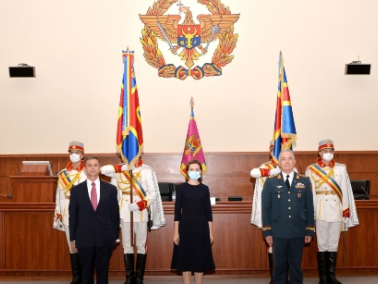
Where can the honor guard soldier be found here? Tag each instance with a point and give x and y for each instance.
(146, 201)
(260, 174)
(287, 218)
(72, 175)
(335, 209)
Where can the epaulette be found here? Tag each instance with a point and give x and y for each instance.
(272, 176)
(58, 173)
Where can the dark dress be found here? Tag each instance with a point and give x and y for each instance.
(193, 211)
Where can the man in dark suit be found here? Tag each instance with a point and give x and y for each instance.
(288, 218)
(94, 222)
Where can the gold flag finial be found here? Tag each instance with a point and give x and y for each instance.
(191, 103)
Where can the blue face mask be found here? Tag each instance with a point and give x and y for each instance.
(194, 175)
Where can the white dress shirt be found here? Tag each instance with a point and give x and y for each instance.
(291, 177)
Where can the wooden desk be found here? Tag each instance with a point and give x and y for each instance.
(29, 246)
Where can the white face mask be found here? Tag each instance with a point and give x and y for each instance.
(327, 157)
(74, 157)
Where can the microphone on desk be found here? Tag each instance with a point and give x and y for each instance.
(363, 189)
(217, 198)
(6, 196)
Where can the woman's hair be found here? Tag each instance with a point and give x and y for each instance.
(191, 162)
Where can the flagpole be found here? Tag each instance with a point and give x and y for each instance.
(191, 103)
(131, 212)
(131, 187)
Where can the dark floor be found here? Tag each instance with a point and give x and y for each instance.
(207, 280)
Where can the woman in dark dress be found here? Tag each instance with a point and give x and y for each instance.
(193, 234)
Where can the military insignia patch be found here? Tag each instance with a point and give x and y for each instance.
(189, 40)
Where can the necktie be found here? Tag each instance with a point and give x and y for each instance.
(287, 182)
(94, 196)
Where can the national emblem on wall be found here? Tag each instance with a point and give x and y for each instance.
(188, 39)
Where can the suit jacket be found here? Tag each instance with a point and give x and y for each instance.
(94, 228)
(287, 213)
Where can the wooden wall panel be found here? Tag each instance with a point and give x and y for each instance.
(228, 173)
(29, 245)
(2, 228)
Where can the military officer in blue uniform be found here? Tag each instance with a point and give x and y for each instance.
(288, 218)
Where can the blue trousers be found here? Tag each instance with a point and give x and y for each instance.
(288, 252)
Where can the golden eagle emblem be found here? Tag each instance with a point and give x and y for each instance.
(189, 39)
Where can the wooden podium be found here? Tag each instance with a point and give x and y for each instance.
(34, 170)
(33, 184)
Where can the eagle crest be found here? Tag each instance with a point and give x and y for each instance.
(189, 35)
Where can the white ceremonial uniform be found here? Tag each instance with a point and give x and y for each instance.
(67, 178)
(256, 217)
(330, 210)
(145, 175)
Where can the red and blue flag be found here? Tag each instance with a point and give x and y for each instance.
(129, 141)
(284, 133)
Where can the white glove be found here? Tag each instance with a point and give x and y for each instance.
(133, 207)
(255, 173)
(275, 171)
(345, 220)
(124, 167)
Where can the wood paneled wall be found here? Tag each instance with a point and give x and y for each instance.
(227, 175)
(29, 245)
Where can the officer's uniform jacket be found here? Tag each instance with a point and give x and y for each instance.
(287, 213)
(331, 206)
(145, 175)
(259, 184)
(67, 178)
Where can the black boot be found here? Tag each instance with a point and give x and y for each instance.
(331, 278)
(322, 266)
(140, 266)
(270, 257)
(129, 266)
(76, 268)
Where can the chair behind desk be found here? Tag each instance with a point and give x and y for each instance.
(360, 189)
(166, 189)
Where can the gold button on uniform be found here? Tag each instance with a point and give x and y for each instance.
(289, 216)
(289, 200)
(289, 192)
(289, 208)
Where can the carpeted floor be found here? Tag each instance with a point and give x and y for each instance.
(207, 280)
